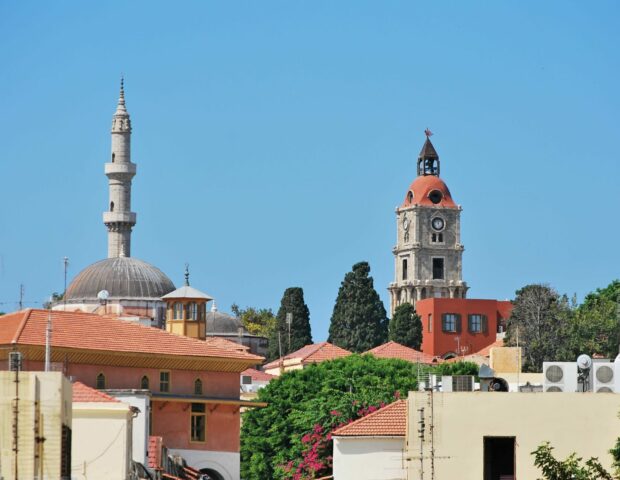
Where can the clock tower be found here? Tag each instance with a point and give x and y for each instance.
(428, 252)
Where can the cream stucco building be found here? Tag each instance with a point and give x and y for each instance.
(491, 436)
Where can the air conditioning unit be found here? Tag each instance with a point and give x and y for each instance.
(457, 383)
(559, 377)
(603, 378)
(15, 361)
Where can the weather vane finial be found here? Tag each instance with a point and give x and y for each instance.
(428, 133)
(187, 274)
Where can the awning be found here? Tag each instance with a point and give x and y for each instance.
(170, 397)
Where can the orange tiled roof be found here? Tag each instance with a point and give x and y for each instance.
(486, 351)
(83, 393)
(314, 353)
(396, 350)
(89, 331)
(257, 375)
(389, 421)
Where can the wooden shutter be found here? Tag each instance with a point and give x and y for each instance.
(469, 323)
(458, 323)
(485, 324)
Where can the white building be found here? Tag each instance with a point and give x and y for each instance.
(372, 448)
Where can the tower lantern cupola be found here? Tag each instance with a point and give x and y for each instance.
(428, 160)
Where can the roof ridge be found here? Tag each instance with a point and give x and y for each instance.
(317, 347)
(22, 325)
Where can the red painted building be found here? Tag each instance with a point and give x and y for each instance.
(193, 384)
(458, 326)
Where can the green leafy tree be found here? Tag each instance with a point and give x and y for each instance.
(406, 327)
(313, 401)
(257, 321)
(300, 333)
(594, 328)
(570, 468)
(456, 368)
(359, 321)
(540, 321)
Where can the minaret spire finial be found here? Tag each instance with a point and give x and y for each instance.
(187, 274)
(121, 95)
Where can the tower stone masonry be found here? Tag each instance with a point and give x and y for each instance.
(119, 219)
(428, 252)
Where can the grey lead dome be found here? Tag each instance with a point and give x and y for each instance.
(123, 278)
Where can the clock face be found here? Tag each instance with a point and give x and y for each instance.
(406, 223)
(437, 223)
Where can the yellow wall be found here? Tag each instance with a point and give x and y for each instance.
(586, 423)
(43, 397)
(505, 359)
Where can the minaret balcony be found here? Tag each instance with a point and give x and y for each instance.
(121, 168)
(119, 217)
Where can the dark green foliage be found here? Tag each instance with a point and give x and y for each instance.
(292, 302)
(569, 469)
(326, 394)
(359, 321)
(594, 328)
(457, 368)
(540, 320)
(406, 327)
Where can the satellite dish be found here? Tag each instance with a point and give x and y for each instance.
(584, 362)
(103, 295)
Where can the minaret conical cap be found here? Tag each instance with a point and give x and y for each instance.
(120, 108)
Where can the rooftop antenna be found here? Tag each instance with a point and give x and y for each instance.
(21, 296)
(65, 262)
(289, 320)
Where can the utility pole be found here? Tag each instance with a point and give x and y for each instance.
(48, 339)
(65, 262)
(289, 320)
(421, 437)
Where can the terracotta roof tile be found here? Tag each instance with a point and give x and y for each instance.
(257, 375)
(89, 331)
(389, 421)
(314, 353)
(396, 350)
(486, 351)
(83, 393)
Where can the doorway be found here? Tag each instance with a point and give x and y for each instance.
(499, 458)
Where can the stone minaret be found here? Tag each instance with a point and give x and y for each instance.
(428, 252)
(119, 219)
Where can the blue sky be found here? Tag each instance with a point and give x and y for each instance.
(274, 140)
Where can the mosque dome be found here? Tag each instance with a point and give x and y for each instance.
(219, 323)
(123, 278)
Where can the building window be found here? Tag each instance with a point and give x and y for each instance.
(430, 322)
(198, 422)
(164, 381)
(178, 311)
(144, 383)
(111, 206)
(410, 197)
(113, 156)
(451, 322)
(198, 387)
(100, 381)
(192, 311)
(404, 269)
(477, 323)
(437, 238)
(438, 269)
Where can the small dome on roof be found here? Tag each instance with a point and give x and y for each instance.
(429, 190)
(219, 323)
(122, 277)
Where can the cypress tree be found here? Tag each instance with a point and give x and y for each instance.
(406, 326)
(293, 303)
(359, 321)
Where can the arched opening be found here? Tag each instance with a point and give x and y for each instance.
(100, 381)
(111, 206)
(449, 355)
(435, 196)
(113, 155)
(198, 387)
(410, 197)
(404, 269)
(144, 383)
(423, 293)
(213, 475)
